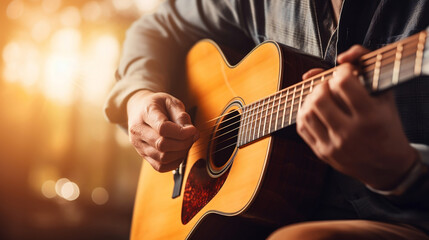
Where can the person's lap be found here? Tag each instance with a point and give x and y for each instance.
(348, 230)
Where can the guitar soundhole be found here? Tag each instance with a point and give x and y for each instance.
(224, 140)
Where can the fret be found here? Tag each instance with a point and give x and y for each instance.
(377, 72)
(300, 96)
(254, 121)
(397, 64)
(265, 116)
(291, 105)
(271, 113)
(285, 107)
(251, 121)
(278, 111)
(419, 53)
(311, 85)
(381, 69)
(260, 118)
(243, 125)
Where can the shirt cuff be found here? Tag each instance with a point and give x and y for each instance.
(419, 169)
(115, 106)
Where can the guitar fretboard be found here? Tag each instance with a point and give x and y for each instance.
(382, 69)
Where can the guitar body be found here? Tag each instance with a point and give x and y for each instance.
(253, 189)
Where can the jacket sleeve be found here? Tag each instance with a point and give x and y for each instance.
(156, 45)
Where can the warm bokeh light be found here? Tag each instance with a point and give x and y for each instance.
(48, 189)
(51, 6)
(15, 9)
(122, 4)
(59, 185)
(22, 61)
(70, 17)
(91, 11)
(99, 67)
(57, 64)
(147, 5)
(41, 30)
(100, 196)
(70, 191)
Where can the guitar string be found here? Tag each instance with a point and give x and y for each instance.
(331, 70)
(302, 85)
(293, 120)
(254, 122)
(372, 55)
(265, 107)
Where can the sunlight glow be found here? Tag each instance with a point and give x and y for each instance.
(61, 67)
(59, 77)
(21, 63)
(99, 67)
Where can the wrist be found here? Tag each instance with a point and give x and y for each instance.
(411, 176)
(134, 97)
(138, 95)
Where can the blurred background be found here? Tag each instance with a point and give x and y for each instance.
(65, 173)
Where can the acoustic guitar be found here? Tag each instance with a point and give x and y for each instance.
(249, 172)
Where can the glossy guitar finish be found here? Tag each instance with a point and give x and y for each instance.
(272, 181)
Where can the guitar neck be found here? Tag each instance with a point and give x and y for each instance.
(380, 70)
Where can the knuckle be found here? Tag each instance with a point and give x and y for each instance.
(133, 130)
(161, 127)
(318, 100)
(326, 152)
(184, 117)
(178, 103)
(162, 157)
(156, 165)
(151, 106)
(160, 144)
(300, 127)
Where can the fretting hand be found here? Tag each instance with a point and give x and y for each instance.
(357, 134)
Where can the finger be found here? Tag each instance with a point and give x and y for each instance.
(305, 135)
(158, 121)
(312, 72)
(146, 134)
(162, 157)
(352, 55)
(163, 167)
(176, 110)
(313, 126)
(346, 85)
(327, 110)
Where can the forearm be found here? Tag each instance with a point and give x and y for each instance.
(156, 45)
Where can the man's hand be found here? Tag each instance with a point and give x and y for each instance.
(357, 134)
(160, 129)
